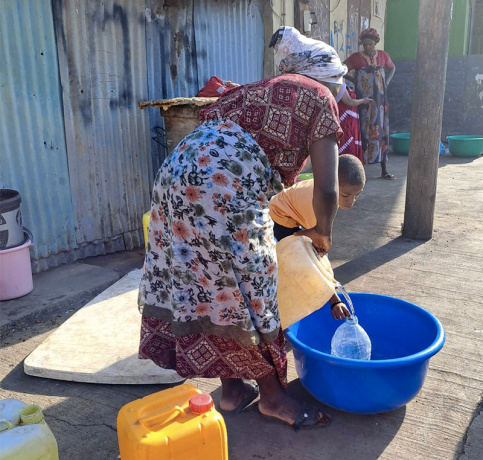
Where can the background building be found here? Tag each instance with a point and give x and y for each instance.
(463, 101)
(74, 142)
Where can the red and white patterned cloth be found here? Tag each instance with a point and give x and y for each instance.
(209, 356)
(349, 120)
(285, 115)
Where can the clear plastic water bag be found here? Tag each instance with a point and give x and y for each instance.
(350, 340)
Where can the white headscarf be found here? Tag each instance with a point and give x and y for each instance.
(295, 53)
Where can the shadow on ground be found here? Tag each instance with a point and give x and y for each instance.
(82, 414)
(350, 436)
(373, 259)
(448, 160)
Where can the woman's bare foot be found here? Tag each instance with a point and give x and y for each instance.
(237, 394)
(276, 402)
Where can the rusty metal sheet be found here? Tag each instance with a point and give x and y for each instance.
(102, 56)
(229, 40)
(171, 63)
(33, 157)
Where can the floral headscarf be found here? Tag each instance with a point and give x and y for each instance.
(370, 33)
(295, 53)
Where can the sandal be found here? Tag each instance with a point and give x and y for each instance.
(245, 402)
(388, 176)
(309, 418)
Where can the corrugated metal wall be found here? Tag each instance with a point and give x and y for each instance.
(189, 41)
(171, 60)
(229, 40)
(33, 157)
(102, 60)
(76, 145)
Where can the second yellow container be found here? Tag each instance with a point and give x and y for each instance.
(178, 423)
(146, 220)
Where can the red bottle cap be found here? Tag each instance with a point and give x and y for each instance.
(201, 403)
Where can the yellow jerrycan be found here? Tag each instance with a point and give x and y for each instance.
(305, 280)
(179, 423)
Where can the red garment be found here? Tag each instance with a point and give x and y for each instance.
(350, 141)
(370, 33)
(209, 356)
(215, 87)
(285, 115)
(359, 60)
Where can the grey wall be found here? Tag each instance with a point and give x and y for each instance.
(463, 100)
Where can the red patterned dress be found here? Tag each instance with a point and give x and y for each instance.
(284, 115)
(208, 290)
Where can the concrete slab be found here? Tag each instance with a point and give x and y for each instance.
(99, 344)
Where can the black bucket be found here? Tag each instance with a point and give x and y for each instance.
(11, 229)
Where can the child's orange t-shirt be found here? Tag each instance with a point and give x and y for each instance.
(293, 206)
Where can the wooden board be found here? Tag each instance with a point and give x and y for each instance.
(99, 343)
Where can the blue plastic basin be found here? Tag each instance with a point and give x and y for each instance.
(404, 337)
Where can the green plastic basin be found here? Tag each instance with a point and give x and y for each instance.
(465, 145)
(400, 143)
(305, 176)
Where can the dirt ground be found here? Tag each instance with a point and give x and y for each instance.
(442, 275)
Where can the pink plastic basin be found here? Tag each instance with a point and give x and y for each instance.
(15, 272)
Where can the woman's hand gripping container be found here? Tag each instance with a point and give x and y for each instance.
(24, 435)
(178, 423)
(305, 280)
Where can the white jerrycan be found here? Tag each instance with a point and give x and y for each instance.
(305, 280)
(24, 435)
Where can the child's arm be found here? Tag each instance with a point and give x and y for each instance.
(347, 100)
(390, 75)
(338, 308)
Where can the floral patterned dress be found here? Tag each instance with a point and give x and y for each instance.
(208, 290)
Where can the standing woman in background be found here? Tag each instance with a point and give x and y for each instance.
(371, 81)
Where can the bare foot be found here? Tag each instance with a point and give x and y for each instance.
(237, 394)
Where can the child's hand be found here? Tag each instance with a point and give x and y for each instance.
(340, 311)
(321, 243)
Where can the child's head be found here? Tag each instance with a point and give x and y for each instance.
(352, 179)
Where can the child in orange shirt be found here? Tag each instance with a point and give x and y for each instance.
(292, 209)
